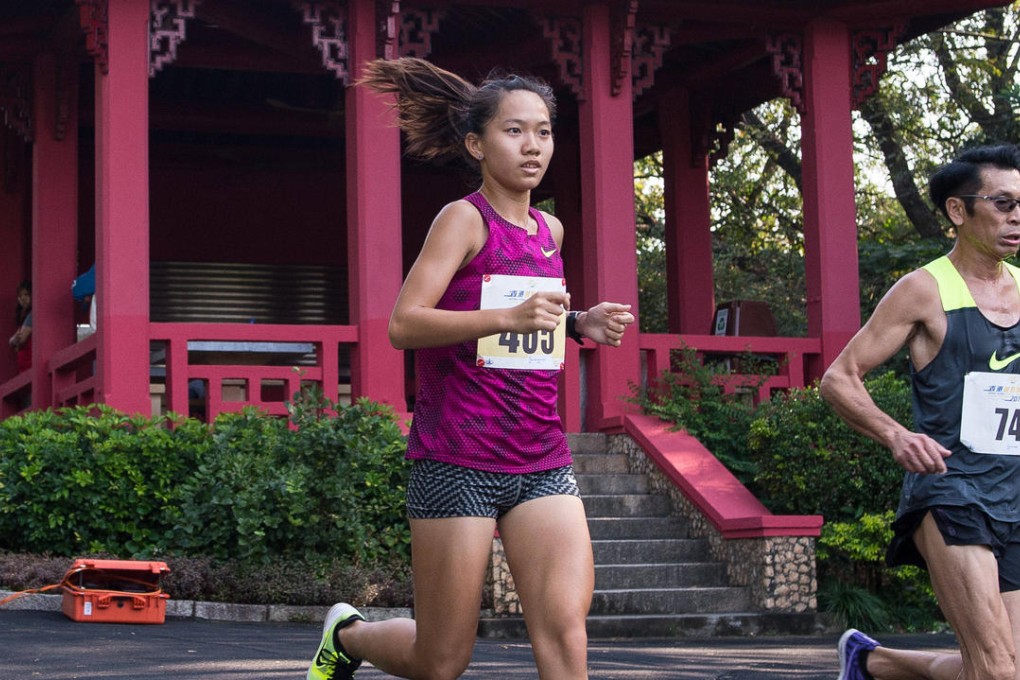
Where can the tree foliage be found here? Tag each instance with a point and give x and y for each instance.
(955, 87)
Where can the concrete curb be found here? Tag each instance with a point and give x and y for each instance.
(219, 611)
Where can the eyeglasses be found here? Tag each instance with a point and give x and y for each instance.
(1003, 204)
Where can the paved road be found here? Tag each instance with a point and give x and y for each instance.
(48, 646)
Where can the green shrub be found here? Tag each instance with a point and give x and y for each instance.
(851, 555)
(692, 397)
(810, 462)
(91, 480)
(319, 485)
(330, 482)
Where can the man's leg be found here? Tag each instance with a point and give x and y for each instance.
(966, 582)
(965, 579)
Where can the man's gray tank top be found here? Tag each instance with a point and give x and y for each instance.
(989, 482)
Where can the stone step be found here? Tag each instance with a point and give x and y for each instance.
(623, 528)
(601, 464)
(670, 600)
(746, 624)
(590, 484)
(675, 575)
(627, 505)
(588, 442)
(650, 551)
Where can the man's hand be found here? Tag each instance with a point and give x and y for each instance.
(920, 453)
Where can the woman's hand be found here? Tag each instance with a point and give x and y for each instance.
(605, 323)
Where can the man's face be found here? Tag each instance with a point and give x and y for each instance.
(986, 228)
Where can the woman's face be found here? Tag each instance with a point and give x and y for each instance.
(24, 298)
(517, 144)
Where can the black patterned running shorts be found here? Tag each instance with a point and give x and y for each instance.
(437, 490)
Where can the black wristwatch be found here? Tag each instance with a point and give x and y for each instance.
(572, 327)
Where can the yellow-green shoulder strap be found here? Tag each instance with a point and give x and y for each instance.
(952, 288)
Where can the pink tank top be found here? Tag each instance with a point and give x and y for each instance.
(492, 419)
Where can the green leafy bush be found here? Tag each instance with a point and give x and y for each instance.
(319, 485)
(294, 582)
(852, 558)
(693, 398)
(810, 462)
(330, 482)
(92, 480)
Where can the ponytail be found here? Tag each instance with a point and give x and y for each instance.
(436, 109)
(432, 105)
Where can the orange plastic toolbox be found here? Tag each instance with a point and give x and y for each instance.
(115, 591)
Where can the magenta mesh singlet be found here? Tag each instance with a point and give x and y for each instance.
(492, 419)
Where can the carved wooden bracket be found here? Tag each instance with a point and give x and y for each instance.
(66, 66)
(787, 51)
(389, 13)
(92, 15)
(650, 45)
(328, 20)
(167, 21)
(416, 29)
(869, 57)
(622, 31)
(16, 99)
(565, 36)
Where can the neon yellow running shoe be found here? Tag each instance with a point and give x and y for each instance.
(331, 661)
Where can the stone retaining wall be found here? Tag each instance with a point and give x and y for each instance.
(779, 570)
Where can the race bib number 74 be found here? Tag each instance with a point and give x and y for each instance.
(990, 422)
(538, 350)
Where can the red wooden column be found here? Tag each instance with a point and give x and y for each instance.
(830, 225)
(13, 235)
(122, 211)
(607, 204)
(373, 223)
(565, 173)
(691, 286)
(54, 216)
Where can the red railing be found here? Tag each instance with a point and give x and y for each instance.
(73, 374)
(243, 365)
(15, 393)
(229, 385)
(787, 355)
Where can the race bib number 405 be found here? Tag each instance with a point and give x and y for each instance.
(990, 422)
(539, 350)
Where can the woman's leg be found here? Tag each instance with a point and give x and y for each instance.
(549, 552)
(448, 558)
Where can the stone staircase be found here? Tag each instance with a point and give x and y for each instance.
(652, 579)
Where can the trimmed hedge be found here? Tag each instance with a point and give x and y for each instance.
(328, 483)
